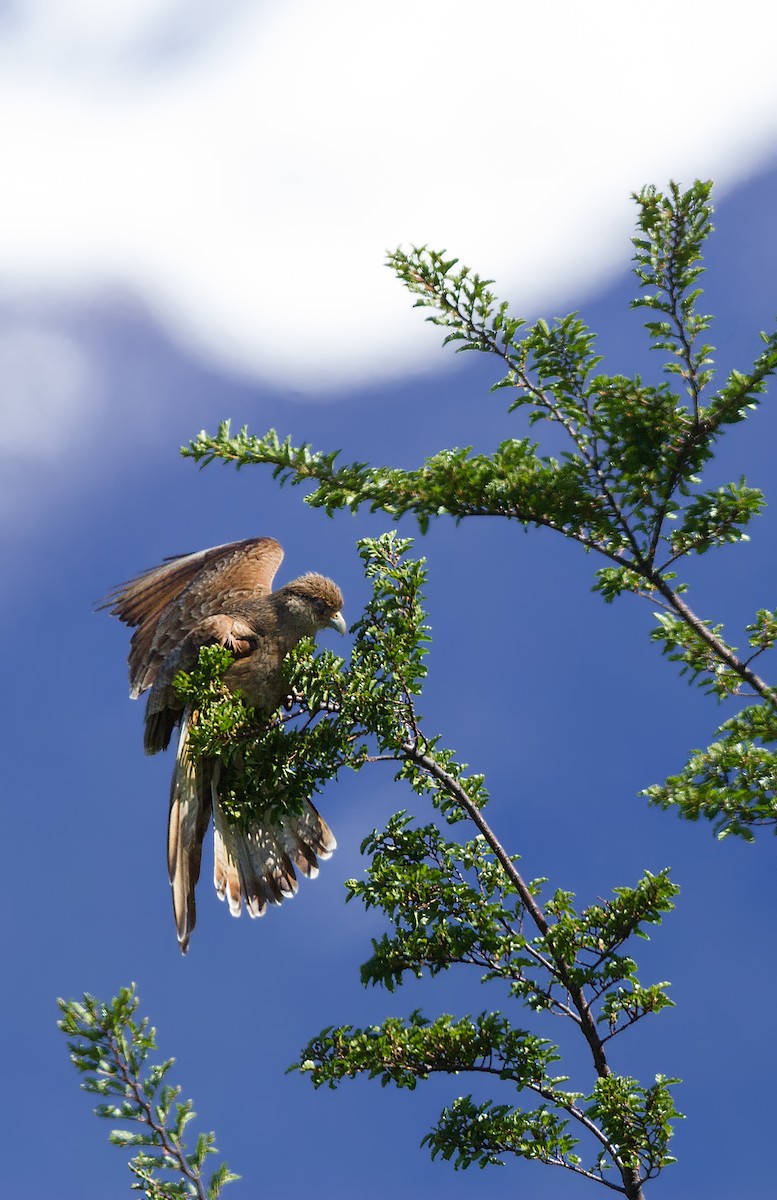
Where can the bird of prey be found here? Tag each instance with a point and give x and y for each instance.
(224, 595)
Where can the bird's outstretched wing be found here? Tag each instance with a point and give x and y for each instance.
(168, 602)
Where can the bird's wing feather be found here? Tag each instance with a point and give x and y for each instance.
(164, 709)
(168, 601)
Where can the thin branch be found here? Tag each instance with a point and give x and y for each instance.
(553, 1097)
(719, 649)
(561, 970)
(591, 460)
(171, 1148)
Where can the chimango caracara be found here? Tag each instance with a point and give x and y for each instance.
(224, 595)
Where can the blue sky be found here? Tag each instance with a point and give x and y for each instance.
(150, 293)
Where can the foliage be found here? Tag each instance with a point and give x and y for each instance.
(627, 488)
(110, 1048)
(455, 903)
(734, 781)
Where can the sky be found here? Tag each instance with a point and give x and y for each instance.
(198, 198)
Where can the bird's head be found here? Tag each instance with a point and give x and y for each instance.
(313, 603)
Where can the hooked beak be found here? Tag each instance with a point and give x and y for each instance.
(337, 622)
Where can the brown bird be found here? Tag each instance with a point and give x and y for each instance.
(224, 595)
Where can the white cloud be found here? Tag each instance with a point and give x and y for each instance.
(248, 188)
(90, 36)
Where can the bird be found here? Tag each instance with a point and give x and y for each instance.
(223, 595)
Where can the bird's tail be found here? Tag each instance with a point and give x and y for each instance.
(257, 866)
(252, 867)
(190, 807)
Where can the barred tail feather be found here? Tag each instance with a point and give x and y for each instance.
(256, 867)
(226, 868)
(190, 808)
(306, 838)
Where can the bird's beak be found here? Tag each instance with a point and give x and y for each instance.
(338, 623)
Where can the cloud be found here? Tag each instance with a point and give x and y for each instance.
(246, 186)
(90, 37)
